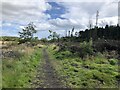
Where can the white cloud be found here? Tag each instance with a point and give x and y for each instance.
(108, 21)
(66, 23)
(43, 26)
(82, 11)
(77, 14)
(83, 0)
(109, 10)
(24, 11)
(86, 9)
(6, 24)
(18, 13)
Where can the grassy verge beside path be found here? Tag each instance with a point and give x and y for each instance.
(19, 72)
(92, 72)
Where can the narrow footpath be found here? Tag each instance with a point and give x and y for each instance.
(46, 76)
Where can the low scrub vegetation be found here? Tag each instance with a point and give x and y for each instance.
(19, 65)
(83, 67)
(81, 62)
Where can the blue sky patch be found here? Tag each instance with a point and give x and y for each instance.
(11, 29)
(16, 16)
(56, 11)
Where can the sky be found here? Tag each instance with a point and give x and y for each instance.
(55, 15)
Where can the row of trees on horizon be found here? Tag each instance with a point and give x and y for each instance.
(108, 32)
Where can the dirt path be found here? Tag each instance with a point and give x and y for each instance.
(46, 76)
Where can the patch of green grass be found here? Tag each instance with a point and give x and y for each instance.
(90, 72)
(63, 54)
(113, 61)
(20, 72)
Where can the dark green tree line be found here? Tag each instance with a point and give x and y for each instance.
(109, 32)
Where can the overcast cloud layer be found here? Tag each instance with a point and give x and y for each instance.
(57, 16)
